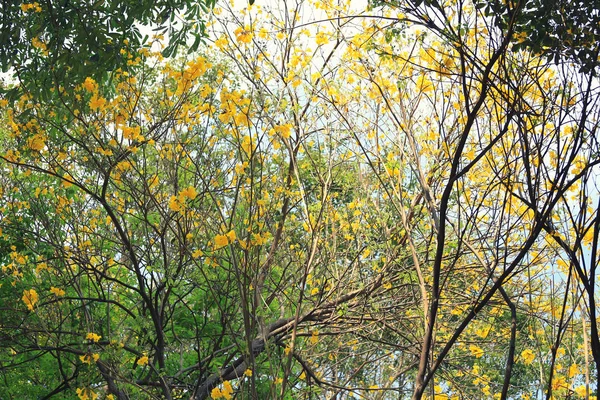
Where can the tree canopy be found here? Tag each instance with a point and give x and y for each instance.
(560, 30)
(321, 201)
(49, 43)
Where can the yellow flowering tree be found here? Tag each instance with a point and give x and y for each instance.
(384, 203)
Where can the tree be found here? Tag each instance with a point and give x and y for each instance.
(47, 44)
(381, 204)
(496, 86)
(561, 30)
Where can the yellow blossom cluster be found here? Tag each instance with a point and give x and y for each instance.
(143, 360)
(243, 35)
(89, 358)
(86, 394)
(30, 297)
(223, 240)
(179, 202)
(223, 392)
(93, 337)
(57, 291)
(27, 7)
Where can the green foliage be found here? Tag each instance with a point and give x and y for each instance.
(561, 30)
(49, 44)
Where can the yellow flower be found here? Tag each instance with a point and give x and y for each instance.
(174, 204)
(247, 145)
(37, 143)
(527, 356)
(227, 390)
(322, 38)
(248, 372)
(177, 203)
(220, 241)
(314, 338)
(559, 382)
(90, 84)
(25, 7)
(581, 390)
(66, 182)
(41, 266)
(30, 297)
(242, 35)
(58, 292)
(223, 240)
(97, 103)
(197, 254)
(88, 358)
(263, 33)
(231, 236)
(38, 44)
(520, 37)
(189, 193)
(82, 394)
(93, 337)
(476, 351)
(142, 360)
(216, 393)
(573, 370)
(483, 332)
(283, 130)
(86, 394)
(221, 42)
(424, 84)
(132, 133)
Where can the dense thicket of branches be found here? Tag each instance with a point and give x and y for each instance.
(324, 203)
